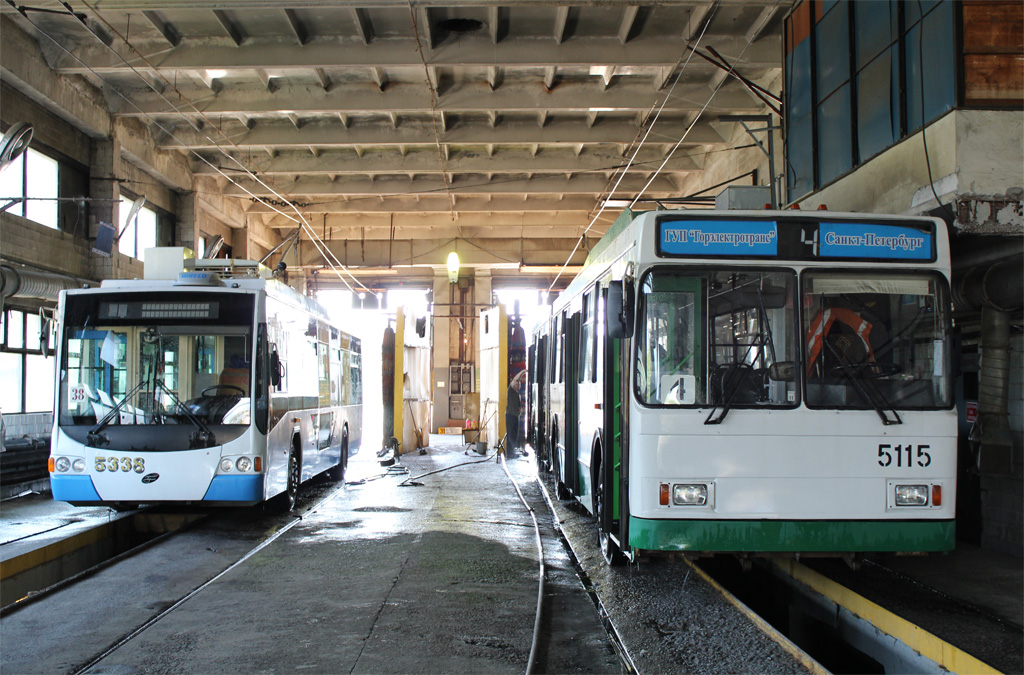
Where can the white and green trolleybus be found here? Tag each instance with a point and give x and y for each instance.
(214, 384)
(754, 382)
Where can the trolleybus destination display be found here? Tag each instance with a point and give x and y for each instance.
(797, 239)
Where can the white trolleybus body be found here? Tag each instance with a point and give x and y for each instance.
(755, 382)
(222, 386)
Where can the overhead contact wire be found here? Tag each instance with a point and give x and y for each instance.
(636, 152)
(302, 220)
(250, 172)
(686, 133)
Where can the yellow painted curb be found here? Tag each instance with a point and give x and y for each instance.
(800, 655)
(40, 556)
(921, 641)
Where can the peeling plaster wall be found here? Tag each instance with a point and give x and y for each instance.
(976, 156)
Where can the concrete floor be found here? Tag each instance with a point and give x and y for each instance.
(440, 577)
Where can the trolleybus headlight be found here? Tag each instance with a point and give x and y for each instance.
(62, 464)
(690, 495)
(243, 464)
(225, 465)
(78, 465)
(911, 495)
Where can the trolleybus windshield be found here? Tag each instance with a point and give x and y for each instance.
(152, 361)
(722, 337)
(876, 340)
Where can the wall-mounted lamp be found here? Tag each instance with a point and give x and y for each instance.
(453, 267)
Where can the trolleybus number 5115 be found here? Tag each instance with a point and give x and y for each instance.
(886, 453)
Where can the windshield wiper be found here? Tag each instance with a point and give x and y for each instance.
(763, 338)
(95, 439)
(203, 438)
(737, 373)
(857, 374)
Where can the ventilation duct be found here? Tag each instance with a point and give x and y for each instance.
(23, 283)
(998, 291)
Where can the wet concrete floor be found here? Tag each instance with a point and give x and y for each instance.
(440, 577)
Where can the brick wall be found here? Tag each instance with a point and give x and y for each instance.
(27, 242)
(33, 425)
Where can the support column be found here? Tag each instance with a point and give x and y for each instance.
(443, 311)
(104, 205)
(186, 230)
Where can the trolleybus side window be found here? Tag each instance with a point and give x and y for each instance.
(587, 334)
(876, 340)
(717, 337)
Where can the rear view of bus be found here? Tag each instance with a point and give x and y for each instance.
(155, 397)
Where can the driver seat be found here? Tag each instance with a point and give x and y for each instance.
(235, 377)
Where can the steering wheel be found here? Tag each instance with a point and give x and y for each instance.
(871, 370)
(241, 392)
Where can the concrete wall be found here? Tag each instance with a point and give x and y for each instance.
(971, 152)
(1002, 496)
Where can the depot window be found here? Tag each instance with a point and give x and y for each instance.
(33, 179)
(861, 76)
(23, 341)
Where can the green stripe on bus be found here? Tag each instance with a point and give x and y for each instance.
(791, 535)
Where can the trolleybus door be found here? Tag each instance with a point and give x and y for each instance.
(614, 468)
(569, 468)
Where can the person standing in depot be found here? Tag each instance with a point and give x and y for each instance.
(513, 407)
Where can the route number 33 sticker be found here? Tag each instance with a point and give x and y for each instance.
(904, 456)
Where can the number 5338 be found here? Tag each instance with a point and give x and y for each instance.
(126, 464)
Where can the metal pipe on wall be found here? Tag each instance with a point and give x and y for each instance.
(29, 284)
(998, 291)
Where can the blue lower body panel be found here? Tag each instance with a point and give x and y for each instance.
(235, 489)
(73, 488)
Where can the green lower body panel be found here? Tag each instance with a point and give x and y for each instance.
(792, 535)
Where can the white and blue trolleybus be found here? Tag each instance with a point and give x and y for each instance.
(755, 382)
(218, 385)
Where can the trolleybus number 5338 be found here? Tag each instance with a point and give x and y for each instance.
(886, 453)
(126, 464)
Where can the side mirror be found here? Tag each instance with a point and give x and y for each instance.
(620, 314)
(276, 369)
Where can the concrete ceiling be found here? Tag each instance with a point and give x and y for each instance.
(505, 126)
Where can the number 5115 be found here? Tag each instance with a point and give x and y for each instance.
(903, 455)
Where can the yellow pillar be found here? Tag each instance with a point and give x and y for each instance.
(400, 376)
(502, 369)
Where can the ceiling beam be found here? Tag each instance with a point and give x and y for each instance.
(439, 203)
(561, 22)
(700, 16)
(760, 25)
(298, 28)
(309, 187)
(471, 50)
(436, 225)
(627, 95)
(229, 26)
(424, 160)
(364, 28)
(629, 14)
(557, 131)
(166, 29)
